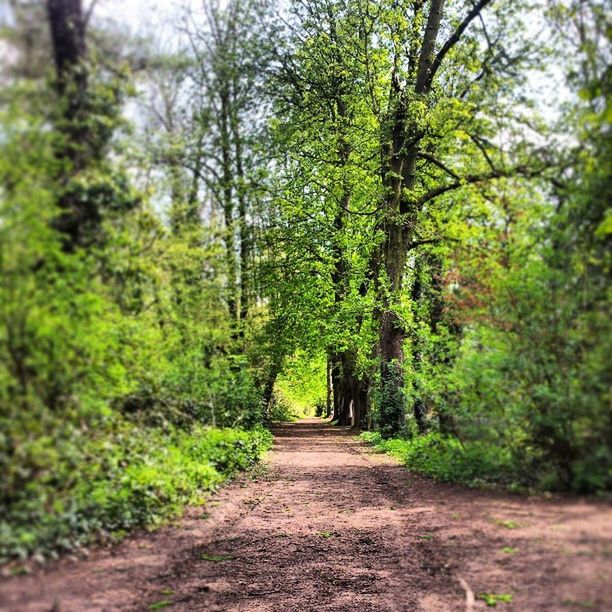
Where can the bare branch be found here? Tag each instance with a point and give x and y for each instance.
(438, 163)
(89, 13)
(454, 39)
(481, 146)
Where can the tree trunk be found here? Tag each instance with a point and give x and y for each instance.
(67, 26)
(423, 83)
(243, 226)
(329, 398)
(268, 388)
(399, 150)
(350, 392)
(337, 387)
(391, 374)
(360, 399)
(228, 204)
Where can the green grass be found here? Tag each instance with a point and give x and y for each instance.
(492, 599)
(448, 460)
(164, 603)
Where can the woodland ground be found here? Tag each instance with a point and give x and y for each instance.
(326, 524)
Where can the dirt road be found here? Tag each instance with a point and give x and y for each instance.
(325, 524)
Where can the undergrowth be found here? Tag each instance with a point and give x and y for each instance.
(74, 487)
(446, 459)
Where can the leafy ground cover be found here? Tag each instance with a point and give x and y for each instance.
(72, 489)
(446, 459)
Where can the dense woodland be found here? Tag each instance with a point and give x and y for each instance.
(393, 212)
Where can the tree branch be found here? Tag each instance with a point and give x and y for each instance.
(483, 150)
(425, 66)
(89, 13)
(438, 163)
(479, 178)
(454, 39)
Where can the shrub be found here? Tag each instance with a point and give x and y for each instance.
(446, 459)
(72, 487)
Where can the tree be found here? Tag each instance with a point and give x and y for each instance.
(228, 58)
(85, 116)
(430, 103)
(317, 87)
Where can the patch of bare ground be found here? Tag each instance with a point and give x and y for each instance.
(326, 524)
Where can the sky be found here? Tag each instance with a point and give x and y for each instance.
(160, 18)
(145, 15)
(141, 16)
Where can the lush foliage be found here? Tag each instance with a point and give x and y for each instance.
(349, 207)
(73, 484)
(463, 303)
(117, 356)
(446, 459)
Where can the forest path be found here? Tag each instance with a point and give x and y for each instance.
(326, 524)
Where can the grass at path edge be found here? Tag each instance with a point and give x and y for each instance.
(102, 489)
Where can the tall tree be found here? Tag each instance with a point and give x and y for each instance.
(428, 93)
(85, 115)
(229, 54)
(67, 26)
(317, 83)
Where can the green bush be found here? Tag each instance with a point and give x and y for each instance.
(446, 459)
(117, 360)
(72, 487)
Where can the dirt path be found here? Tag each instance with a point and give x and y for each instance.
(326, 524)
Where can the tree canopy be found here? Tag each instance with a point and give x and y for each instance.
(371, 208)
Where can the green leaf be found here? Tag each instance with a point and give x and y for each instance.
(492, 599)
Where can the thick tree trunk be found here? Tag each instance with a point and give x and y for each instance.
(329, 398)
(337, 387)
(350, 391)
(392, 404)
(361, 401)
(399, 149)
(426, 57)
(268, 388)
(67, 26)
(346, 401)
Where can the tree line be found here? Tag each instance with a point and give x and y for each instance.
(368, 200)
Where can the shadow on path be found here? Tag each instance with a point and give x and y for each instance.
(326, 524)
